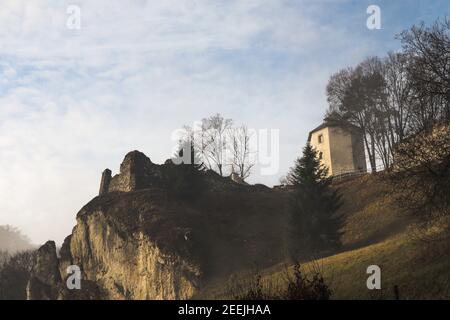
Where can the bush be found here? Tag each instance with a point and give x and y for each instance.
(14, 275)
(421, 177)
(298, 286)
(184, 176)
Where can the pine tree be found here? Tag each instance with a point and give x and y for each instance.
(314, 204)
(184, 175)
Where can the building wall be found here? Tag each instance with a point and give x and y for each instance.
(323, 147)
(341, 150)
(359, 153)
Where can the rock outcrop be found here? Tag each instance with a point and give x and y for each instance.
(133, 241)
(45, 279)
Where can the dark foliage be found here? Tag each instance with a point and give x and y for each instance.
(14, 275)
(298, 287)
(314, 204)
(184, 175)
(421, 177)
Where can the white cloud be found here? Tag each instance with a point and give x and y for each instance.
(74, 102)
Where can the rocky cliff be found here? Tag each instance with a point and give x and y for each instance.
(134, 241)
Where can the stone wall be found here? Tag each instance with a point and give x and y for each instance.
(136, 172)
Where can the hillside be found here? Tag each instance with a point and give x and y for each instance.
(375, 232)
(146, 243)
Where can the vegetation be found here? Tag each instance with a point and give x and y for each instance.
(16, 259)
(221, 146)
(401, 104)
(14, 275)
(313, 205)
(184, 176)
(373, 233)
(296, 286)
(396, 96)
(421, 180)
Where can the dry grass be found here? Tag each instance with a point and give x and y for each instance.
(375, 233)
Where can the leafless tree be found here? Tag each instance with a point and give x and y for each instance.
(393, 111)
(242, 162)
(209, 141)
(398, 95)
(214, 131)
(428, 49)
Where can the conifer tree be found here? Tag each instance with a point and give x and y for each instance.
(185, 175)
(314, 203)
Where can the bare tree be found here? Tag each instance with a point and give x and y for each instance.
(398, 93)
(209, 141)
(218, 145)
(214, 141)
(428, 49)
(395, 112)
(240, 149)
(392, 110)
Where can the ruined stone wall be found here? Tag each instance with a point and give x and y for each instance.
(106, 180)
(136, 172)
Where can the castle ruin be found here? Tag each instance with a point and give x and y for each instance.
(137, 171)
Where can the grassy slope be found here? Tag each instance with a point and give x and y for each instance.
(376, 233)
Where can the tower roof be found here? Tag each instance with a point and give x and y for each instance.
(324, 125)
(330, 123)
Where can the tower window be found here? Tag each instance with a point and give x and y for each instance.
(320, 155)
(320, 138)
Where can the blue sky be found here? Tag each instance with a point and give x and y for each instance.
(73, 102)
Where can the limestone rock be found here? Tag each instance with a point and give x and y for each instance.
(133, 242)
(45, 279)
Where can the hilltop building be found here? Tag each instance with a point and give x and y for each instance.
(340, 149)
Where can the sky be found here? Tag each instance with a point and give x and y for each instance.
(77, 92)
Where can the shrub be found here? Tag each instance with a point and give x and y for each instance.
(298, 286)
(14, 275)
